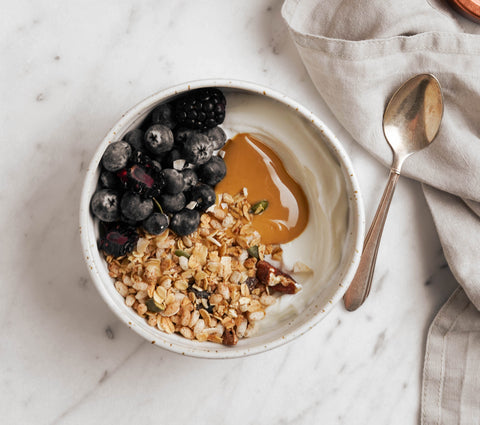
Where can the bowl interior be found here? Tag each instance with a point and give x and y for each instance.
(330, 245)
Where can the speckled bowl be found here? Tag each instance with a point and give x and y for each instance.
(321, 292)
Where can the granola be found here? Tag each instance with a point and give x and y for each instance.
(212, 285)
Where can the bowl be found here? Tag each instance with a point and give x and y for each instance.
(330, 245)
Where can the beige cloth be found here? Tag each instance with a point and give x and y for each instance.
(358, 52)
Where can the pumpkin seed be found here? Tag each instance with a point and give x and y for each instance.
(253, 251)
(182, 253)
(153, 306)
(259, 207)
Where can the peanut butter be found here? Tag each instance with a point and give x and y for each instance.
(252, 164)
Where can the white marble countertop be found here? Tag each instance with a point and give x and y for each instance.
(69, 70)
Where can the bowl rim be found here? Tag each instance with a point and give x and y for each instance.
(335, 147)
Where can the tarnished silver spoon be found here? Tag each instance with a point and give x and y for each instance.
(410, 123)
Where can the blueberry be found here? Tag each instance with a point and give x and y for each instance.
(156, 223)
(135, 207)
(109, 180)
(135, 139)
(213, 171)
(190, 178)
(105, 205)
(158, 139)
(203, 195)
(181, 135)
(185, 222)
(172, 203)
(217, 137)
(128, 221)
(197, 149)
(173, 181)
(116, 156)
(170, 157)
(163, 114)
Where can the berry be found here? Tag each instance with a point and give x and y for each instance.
(158, 139)
(172, 203)
(116, 156)
(190, 178)
(134, 207)
(145, 161)
(156, 223)
(170, 157)
(217, 137)
(181, 135)
(213, 171)
(109, 180)
(203, 195)
(105, 205)
(163, 114)
(185, 222)
(200, 109)
(127, 220)
(141, 180)
(197, 149)
(173, 181)
(135, 139)
(119, 240)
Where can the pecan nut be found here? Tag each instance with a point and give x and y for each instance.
(276, 279)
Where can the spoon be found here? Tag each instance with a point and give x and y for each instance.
(410, 123)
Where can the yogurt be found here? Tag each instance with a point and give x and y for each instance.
(309, 161)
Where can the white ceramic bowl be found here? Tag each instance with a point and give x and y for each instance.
(303, 142)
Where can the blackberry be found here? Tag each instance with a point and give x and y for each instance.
(147, 162)
(141, 180)
(200, 109)
(119, 239)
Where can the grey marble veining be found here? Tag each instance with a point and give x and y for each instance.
(69, 70)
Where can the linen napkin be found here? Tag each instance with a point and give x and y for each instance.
(357, 53)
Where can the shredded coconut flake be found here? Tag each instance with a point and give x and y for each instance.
(178, 164)
(213, 240)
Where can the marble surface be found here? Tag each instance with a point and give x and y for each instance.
(69, 70)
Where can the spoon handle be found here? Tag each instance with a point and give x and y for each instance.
(361, 283)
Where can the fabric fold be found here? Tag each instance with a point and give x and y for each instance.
(451, 374)
(357, 54)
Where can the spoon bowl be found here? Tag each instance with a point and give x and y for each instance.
(412, 117)
(410, 123)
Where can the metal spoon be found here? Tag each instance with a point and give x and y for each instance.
(410, 123)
